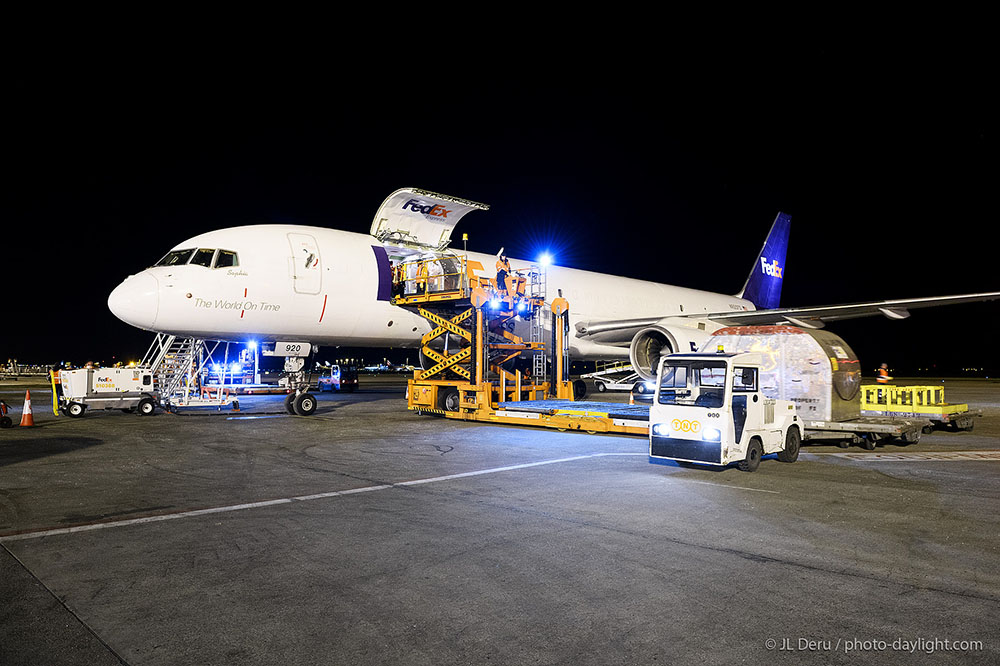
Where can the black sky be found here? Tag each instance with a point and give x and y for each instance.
(887, 168)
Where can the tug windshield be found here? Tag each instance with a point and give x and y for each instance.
(692, 383)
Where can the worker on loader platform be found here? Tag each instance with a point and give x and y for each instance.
(398, 279)
(422, 278)
(503, 273)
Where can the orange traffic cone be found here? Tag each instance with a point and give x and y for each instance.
(27, 419)
(631, 398)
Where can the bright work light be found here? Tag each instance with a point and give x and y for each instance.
(545, 259)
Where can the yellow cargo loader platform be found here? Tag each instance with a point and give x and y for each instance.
(495, 359)
(925, 402)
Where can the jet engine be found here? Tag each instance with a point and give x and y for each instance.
(667, 336)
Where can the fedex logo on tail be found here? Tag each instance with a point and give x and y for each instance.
(772, 269)
(436, 211)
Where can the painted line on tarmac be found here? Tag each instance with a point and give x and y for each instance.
(926, 456)
(335, 493)
(288, 500)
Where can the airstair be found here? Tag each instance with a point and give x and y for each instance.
(178, 364)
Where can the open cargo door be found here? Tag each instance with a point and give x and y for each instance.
(418, 219)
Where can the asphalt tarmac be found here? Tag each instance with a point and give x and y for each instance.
(366, 534)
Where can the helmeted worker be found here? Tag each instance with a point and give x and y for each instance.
(503, 273)
(883, 374)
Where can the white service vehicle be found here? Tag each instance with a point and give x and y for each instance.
(630, 382)
(128, 389)
(709, 408)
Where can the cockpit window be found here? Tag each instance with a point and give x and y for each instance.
(175, 258)
(226, 259)
(203, 257)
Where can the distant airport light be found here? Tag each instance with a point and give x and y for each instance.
(545, 259)
(495, 304)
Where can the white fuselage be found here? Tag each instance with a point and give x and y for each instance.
(272, 294)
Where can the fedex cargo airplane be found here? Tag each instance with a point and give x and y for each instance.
(330, 287)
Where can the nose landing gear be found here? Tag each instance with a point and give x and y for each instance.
(299, 402)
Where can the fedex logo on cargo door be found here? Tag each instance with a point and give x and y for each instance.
(436, 211)
(772, 269)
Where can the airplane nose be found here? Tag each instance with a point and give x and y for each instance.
(136, 301)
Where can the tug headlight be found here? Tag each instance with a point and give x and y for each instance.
(711, 435)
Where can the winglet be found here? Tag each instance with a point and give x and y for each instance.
(763, 287)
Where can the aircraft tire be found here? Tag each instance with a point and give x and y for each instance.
(304, 404)
(754, 452)
(289, 399)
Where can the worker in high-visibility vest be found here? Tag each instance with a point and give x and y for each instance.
(503, 273)
(883, 374)
(397, 279)
(422, 278)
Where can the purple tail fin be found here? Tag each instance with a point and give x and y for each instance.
(763, 287)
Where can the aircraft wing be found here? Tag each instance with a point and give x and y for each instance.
(817, 316)
(617, 332)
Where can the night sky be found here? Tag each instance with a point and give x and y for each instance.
(889, 175)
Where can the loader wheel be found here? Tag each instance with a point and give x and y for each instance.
(448, 400)
(754, 452)
(868, 443)
(6, 422)
(793, 442)
(145, 407)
